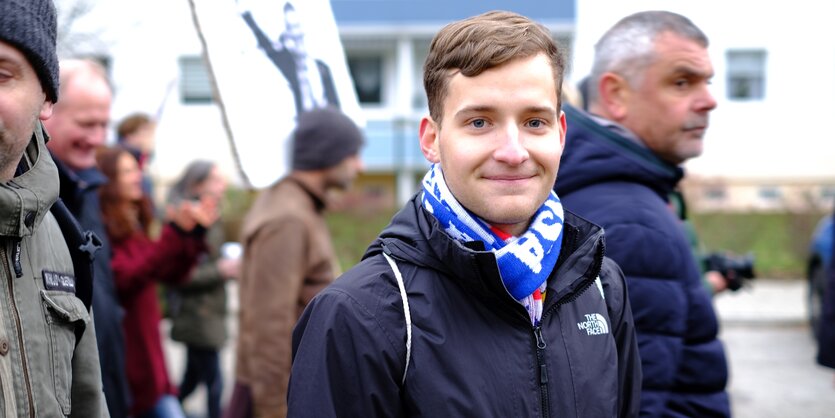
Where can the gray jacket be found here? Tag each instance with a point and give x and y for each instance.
(44, 371)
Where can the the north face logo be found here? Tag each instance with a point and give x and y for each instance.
(595, 324)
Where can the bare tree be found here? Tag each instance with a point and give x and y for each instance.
(74, 41)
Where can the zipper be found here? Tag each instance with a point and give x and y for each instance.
(27, 382)
(540, 344)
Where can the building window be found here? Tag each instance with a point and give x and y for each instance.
(715, 193)
(746, 74)
(195, 86)
(367, 72)
(769, 193)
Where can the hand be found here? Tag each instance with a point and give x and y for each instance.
(205, 212)
(179, 215)
(188, 214)
(229, 268)
(717, 281)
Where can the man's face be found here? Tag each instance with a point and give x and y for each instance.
(22, 103)
(142, 139)
(669, 107)
(79, 124)
(342, 175)
(500, 141)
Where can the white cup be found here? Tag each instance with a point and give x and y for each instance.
(231, 250)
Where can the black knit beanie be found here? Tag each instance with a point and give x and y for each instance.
(323, 138)
(30, 26)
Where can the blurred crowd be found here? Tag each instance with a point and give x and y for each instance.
(496, 291)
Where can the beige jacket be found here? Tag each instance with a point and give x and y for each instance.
(45, 371)
(288, 259)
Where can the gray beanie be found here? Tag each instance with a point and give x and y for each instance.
(30, 26)
(323, 138)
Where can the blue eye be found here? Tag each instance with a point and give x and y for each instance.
(536, 123)
(478, 123)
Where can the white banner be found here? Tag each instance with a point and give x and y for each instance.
(271, 60)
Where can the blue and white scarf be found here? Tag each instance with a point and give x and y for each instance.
(525, 262)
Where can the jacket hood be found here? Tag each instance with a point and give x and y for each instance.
(596, 154)
(25, 199)
(415, 236)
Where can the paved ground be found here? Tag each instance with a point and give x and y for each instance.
(770, 352)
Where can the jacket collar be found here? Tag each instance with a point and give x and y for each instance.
(74, 185)
(318, 200)
(596, 153)
(25, 199)
(414, 235)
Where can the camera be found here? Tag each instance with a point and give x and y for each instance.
(734, 268)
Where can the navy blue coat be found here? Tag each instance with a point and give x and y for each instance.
(474, 350)
(79, 191)
(826, 333)
(623, 187)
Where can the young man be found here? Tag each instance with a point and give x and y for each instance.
(483, 297)
(49, 365)
(78, 126)
(288, 257)
(649, 105)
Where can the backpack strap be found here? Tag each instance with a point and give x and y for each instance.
(83, 246)
(406, 311)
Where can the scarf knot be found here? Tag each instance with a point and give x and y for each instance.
(525, 262)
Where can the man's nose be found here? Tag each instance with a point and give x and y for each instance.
(97, 134)
(510, 149)
(705, 102)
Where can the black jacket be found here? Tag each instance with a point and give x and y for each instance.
(624, 187)
(474, 350)
(79, 191)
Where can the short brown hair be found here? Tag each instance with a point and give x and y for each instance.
(131, 124)
(482, 42)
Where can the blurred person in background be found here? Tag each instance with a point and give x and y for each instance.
(289, 258)
(140, 262)
(49, 364)
(826, 328)
(198, 307)
(136, 133)
(77, 128)
(649, 104)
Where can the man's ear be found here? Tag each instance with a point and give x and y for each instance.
(614, 94)
(46, 110)
(429, 132)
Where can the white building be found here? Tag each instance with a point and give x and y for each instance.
(767, 144)
(774, 69)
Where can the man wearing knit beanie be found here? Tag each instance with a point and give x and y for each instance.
(288, 257)
(47, 339)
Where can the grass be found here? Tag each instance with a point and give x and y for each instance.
(778, 241)
(353, 231)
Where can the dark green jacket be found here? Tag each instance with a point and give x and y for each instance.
(199, 319)
(44, 371)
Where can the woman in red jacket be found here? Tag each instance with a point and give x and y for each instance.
(139, 263)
